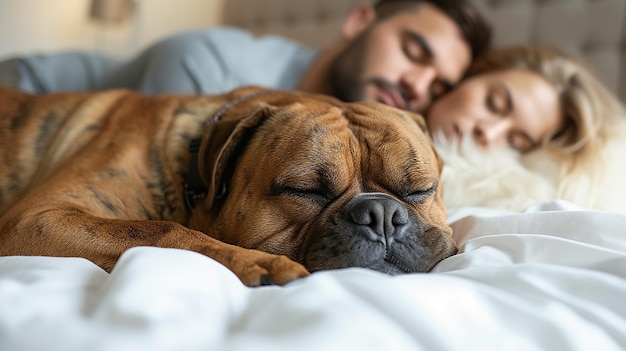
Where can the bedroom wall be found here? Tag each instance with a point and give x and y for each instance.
(35, 26)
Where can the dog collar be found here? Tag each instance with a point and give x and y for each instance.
(194, 188)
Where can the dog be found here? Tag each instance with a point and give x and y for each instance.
(273, 185)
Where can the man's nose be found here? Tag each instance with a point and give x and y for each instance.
(418, 82)
(491, 133)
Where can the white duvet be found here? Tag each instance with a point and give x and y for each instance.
(550, 278)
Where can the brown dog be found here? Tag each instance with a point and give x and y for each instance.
(284, 184)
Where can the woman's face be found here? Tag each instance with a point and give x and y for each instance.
(511, 108)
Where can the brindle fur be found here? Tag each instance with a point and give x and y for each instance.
(93, 174)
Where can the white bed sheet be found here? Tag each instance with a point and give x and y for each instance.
(550, 278)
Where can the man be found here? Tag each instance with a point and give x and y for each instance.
(404, 53)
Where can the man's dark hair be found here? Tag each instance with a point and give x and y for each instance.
(474, 27)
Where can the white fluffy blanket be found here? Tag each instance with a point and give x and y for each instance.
(505, 180)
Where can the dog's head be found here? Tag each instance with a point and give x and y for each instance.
(326, 183)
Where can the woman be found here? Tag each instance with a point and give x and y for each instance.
(534, 108)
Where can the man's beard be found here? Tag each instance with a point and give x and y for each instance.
(346, 73)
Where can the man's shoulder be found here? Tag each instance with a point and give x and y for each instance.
(233, 44)
(230, 36)
(237, 56)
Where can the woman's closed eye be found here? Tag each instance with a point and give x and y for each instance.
(499, 100)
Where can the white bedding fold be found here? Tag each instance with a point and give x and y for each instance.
(551, 278)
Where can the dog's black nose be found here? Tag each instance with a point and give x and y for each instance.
(377, 216)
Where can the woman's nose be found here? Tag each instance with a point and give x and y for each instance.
(492, 133)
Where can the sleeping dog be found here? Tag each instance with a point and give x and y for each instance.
(273, 185)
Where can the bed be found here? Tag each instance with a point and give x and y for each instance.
(549, 277)
(552, 277)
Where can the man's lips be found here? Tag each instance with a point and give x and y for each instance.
(392, 98)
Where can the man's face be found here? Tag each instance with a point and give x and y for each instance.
(405, 60)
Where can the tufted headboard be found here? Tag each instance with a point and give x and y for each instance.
(592, 30)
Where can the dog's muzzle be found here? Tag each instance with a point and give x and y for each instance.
(379, 232)
(376, 217)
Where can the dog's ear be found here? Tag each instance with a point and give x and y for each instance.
(222, 141)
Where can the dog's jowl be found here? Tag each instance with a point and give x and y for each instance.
(274, 186)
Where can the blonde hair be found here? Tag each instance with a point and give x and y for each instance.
(592, 115)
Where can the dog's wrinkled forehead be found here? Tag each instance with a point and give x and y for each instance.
(326, 108)
(372, 130)
(380, 115)
(362, 118)
(326, 119)
(318, 105)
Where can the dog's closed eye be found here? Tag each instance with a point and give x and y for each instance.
(417, 196)
(308, 193)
